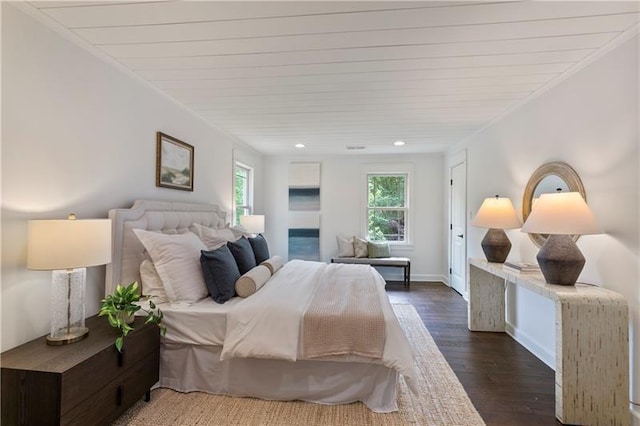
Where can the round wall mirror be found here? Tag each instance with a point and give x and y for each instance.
(550, 177)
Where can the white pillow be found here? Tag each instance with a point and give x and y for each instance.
(345, 246)
(252, 281)
(152, 283)
(239, 231)
(273, 263)
(360, 247)
(213, 238)
(177, 260)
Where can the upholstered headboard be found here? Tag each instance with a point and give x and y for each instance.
(159, 216)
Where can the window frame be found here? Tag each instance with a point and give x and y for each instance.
(248, 207)
(405, 170)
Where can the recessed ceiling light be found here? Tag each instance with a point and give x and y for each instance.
(398, 143)
(299, 145)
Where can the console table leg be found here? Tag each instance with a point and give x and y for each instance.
(592, 358)
(147, 396)
(486, 301)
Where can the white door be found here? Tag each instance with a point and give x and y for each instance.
(458, 256)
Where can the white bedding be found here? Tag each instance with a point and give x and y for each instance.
(267, 324)
(201, 323)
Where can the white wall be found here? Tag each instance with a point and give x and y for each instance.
(590, 121)
(78, 135)
(341, 194)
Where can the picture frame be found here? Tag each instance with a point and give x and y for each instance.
(174, 163)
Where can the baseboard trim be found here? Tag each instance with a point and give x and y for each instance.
(525, 340)
(635, 414)
(398, 276)
(429, 278)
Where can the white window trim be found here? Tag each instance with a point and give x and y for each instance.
(238, 164)
(388, 169)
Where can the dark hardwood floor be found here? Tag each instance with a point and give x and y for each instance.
(506, 383)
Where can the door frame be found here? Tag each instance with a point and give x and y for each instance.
(454, 160)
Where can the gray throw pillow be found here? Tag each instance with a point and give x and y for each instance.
(260, 248)
(243, 253)
(220, 273)
(379, 249)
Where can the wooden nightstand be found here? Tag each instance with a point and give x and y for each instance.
(84, 383)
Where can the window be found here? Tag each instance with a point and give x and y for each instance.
(242, 191)
(387, 207)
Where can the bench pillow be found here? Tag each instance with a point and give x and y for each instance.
(360, 247)
(345, 246)
(379, 249)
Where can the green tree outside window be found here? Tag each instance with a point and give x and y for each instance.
(387, 207)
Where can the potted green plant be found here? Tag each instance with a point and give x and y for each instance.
(121, 306)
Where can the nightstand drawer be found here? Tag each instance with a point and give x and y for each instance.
(104, 406)
(86, 378)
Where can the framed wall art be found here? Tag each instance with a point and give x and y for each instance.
(174, 163)
(304, 211)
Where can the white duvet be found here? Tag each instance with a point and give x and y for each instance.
(268, 323)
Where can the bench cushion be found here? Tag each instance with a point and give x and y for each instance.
(378, 261)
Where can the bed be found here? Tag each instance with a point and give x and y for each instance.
(247, 346)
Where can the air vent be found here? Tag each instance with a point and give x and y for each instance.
(355, 147)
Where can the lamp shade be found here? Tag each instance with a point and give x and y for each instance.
(68, 244)
(254, 224)
(496, 213)
(561, 213)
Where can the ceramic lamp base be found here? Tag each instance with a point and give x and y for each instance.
(560, 260)
(496, 245)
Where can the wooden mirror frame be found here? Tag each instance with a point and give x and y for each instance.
(564, 172)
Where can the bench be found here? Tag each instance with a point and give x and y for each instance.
(400, 262)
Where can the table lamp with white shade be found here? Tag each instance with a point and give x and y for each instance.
(561, 215)
(67, 247)
(254, 224)
(496, 214)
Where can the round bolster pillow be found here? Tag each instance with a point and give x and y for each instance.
(273, 263)
(251, 282)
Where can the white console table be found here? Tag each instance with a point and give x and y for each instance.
(592, 340)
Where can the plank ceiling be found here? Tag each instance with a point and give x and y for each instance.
(338, 75)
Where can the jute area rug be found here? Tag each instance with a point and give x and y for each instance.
(441, 399)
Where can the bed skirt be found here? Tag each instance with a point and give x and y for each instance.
(188, 368)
